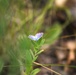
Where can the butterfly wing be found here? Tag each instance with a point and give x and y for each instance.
(38, 35)
(32, 37)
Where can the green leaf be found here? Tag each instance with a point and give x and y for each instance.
(28, 61)
(42, 42)
(24, 48)
(14, 68)
(35, 71)
(3, 6)
(1, 65)
(40, 51)
(53, 33)
(35, 58)
(24, 42)
(2, 27)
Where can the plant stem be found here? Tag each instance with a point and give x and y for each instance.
(47, 68)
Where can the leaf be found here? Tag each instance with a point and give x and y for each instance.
(35, 71)
(39, 52)
(24, 48)
(42, 42)
(2, 27)
(1, 65)
(24, 42)
(35, 58)
(14, 68)
(53, 33)
(28, 61)
(3, 6)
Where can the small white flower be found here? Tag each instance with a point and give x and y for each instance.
(36, 37)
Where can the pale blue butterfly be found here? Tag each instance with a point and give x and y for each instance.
(36, 37)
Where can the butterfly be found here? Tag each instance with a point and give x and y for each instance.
(36, 37)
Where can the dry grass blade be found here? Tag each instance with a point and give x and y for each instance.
(47, 68)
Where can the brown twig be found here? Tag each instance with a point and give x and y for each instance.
(47, 68)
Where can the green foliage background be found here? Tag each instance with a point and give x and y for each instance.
(19, 18)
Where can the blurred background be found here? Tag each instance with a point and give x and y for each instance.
(55, 18)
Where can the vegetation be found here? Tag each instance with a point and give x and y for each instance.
(18, 20)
